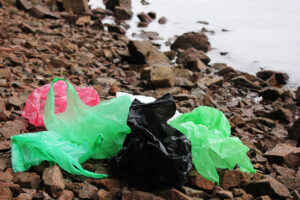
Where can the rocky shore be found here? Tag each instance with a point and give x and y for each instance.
(40, 40)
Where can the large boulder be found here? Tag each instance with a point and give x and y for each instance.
(143, 52)
(191, 40)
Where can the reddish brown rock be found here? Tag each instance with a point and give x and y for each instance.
(122, 13)
(162, 76)
(88, 192)
(5, 177)
(15, 127)
(282, 114)
(41, 11)
(111, 4)
(268, 186)
(115, 29)
(173, 194)
(134, 195)
(5, 192)
(24, 196)
(27, 180)
(196, 193)
(190, 56)
(144, 17)
(5, 73)
(108, 184)
(66, 195)
(197, 181)
(24, 4)
(294, 131)
(4, 145)
(103, 194)
(53, 180)
(191, 40)
(76, 6)
(230, 178)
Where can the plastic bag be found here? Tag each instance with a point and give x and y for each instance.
(209, 132)
(35, 104)
(154, 155)
(74, 136)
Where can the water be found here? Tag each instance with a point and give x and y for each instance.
(262, 34)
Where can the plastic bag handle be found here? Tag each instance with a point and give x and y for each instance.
(49, 112)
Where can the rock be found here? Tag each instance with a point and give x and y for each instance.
(197, 181)
(191, 55)
(210, 80)
(162, 76)
(162, 20)
(173, 194)
(170, 54)
(292, 183)
(16, 102)
(122, 13)
(280, 77)
(294, 131)
(83, 20)
(298, 95)
(88, 192)
(282, 114)
(26, 28)
(24, 196)
(70, 48)
(66, 195)
(75, 69)
(143, 24)
(115, 29)
(60, 62)
(224, 194)
(134, 195)
(5, 177)
(76, 6)
(103, 194)
(144, 52)
(264, 197)
(271, 93)
(244, 82)
(268, 186)
(284, 171)
(41, 11)
(5, 73)
(27, 180)
(144, 17)
(53, 180)
(15, 127)
(102, 11)
(5, 192)
(230, 178)
(152, 14)
(85, 59)
(111, 4)
(195, 193)
(24, 4)
(5, 145)
(284, 153)
(108, 184)
(191, 40)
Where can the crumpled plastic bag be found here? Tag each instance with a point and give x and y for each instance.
(35, 104)
(74, 136)
(154, 155)
(209, 132)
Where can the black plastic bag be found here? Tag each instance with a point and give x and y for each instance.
(154, 155)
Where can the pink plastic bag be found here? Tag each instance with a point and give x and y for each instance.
(35, 104)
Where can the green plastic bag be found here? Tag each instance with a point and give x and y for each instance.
(212, 147)
(78, 134)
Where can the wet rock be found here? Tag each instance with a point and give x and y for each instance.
(88, 192)
(76, 6)
(294, 131)
(230, 178)
(244, 82)
(191, 55)
(284, 153)
(191, 40)
(152, 14)
(144, 52)
(24, 4)
(173, 194)
(66, 195)
(197, 181)
(162, 20)
(271, 93)
(5, 192)
(279, 77)
(133, 195)
(111, 4)
(122, 13)
(27, 180)
(115, 29)
(144, 17)
(83, 20)
(53, 180)
(41, 11)
(162, 76)
(15, 127)
(269, 186)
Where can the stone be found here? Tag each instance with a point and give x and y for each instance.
(268, 186)
(88, 192)
(173, 194)
(115, 29)
(298, 95)
(162, 76)
(26, 28)
(83, 20)
(191, 55)
(284, 171)
(152, 14)
(294, 131)
(76, 6)
(24, 196)
(41, 11)
(60, 62)
(280, 77)
(5, 177)
(170, 54)
(102, 11)
(122, 13)
(53, 180)
(111, 4)
(210, 80)
(15, 127)
(244, 82)
(27, 180)
(5, 192)
(144, 17)
(195, 193)
(284, 153)
(197, 181)
(162, 20)
(224, 194)
(66, 195)
(5, 145)
(5, 73)
(103, 194)
(134, 195)
(108, 184)
(143, 52)
(16, 101)
(264, 197)
(282, 114)
(290, 182)
(230, 178)
(188, 40)
(24, 4)
(271, 93)
(85, 59)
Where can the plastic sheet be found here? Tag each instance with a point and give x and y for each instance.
(35, 104)
(74, 136)
(154, 155)
(209, 132)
